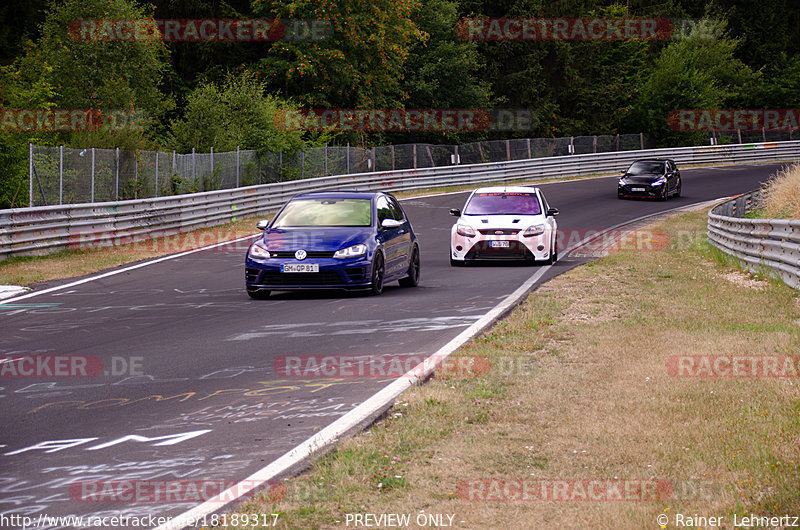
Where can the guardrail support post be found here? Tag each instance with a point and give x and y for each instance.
(739, 132)
(392, 146)
(617, 141)
(641, 141)
(374, 164)
(92, 175)
(508, 150)
(116, 175)
(60, 175)
(347, 157)
(414, 149)
(135, 174)
(325, 163)
(763, 134)
(30, 174)
(156, 173)
(280, 166)
(529, 147)
(211, 175)
(194, 168)
(455, 157)
(302, 164)
(594, 143)
(237, 166)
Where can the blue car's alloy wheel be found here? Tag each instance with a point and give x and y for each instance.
(376, 287)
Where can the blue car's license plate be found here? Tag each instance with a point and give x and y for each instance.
(300, 267)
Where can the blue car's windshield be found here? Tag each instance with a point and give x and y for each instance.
(325, 212)
(503, 203)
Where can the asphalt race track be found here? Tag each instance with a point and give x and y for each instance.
(191, 392)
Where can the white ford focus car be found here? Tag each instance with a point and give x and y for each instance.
(504, 223)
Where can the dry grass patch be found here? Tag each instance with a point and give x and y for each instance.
(782, 194)
(587, 395)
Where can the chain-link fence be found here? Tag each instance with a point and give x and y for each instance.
(61, 175)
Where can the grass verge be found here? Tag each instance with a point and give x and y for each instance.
(579, 389)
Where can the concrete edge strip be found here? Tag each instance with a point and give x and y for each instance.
(330, 434)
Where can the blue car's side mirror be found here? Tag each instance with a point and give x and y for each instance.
(391, 223)
(263, 224)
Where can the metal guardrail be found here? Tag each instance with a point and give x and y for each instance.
(761, 244)
(45, 229)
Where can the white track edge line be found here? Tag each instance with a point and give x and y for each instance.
(361, 413)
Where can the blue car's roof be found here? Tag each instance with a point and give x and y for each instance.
(339, 194)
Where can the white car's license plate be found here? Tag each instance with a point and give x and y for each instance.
(637, 189)
(300, 267)
(498, 244)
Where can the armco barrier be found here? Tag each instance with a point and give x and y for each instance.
(762, 244)
(46, 229)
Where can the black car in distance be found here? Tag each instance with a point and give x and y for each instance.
(655, 178)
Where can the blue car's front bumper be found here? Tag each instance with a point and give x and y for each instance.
(351, 274)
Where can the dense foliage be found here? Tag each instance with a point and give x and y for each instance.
(385, 54)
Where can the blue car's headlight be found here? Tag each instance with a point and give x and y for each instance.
(258, 251)
(351, 252)
(659, 181)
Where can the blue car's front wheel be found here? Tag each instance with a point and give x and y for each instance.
(378, 271)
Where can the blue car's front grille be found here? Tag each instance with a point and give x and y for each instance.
(309, 254)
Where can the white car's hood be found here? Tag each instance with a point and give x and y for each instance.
(501, 221)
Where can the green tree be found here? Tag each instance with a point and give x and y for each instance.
(22, 86)
(359, 64)
(443, 71)
(699, 71)
(103, 75)
(237, 113)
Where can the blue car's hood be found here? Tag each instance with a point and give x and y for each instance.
(314, 239)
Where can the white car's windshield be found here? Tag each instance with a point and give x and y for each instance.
(499, 203)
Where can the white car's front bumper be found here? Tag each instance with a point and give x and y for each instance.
(482, 247)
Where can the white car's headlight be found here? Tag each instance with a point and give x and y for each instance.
(258, 251)
(351, 252)
(533, 230)
(465, 230)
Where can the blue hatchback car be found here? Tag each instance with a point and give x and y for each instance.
(334, 240)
